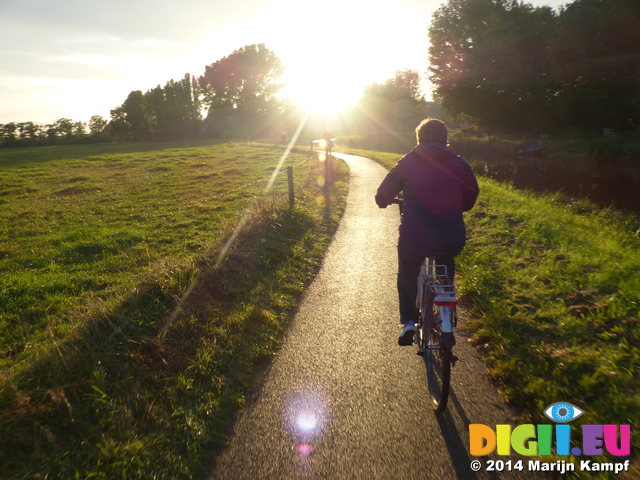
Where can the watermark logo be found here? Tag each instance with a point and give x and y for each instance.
(562, 412)
(549, 439)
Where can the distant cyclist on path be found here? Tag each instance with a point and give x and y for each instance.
(438, 186)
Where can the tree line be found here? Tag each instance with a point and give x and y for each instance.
(62, 131)
(236, 96)
(172, 111)
(387, 114)
(517, 68)
(163, 112)
(502, 64)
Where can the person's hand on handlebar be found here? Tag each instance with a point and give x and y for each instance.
(400, 202)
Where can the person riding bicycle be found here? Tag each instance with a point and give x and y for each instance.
(328, 142)
(438, 186)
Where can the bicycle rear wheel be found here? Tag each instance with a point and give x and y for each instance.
(437, 357)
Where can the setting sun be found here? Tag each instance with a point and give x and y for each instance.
(319, 94)
(342, 48)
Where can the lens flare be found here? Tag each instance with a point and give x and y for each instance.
(305, 449)
(307, 421)
(306, 418)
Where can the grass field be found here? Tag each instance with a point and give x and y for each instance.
(126, 345)
(552, 286)
(127, 342)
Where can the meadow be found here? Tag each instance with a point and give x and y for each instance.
(142, 288)
(552, 289)
(127, 344)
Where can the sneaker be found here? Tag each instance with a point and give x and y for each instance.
(406, 334)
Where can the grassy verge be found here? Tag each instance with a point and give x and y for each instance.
(126, 343)
(553, 289)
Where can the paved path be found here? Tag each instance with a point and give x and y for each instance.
(341, 399)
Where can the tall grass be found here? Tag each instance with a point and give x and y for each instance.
(127, 345)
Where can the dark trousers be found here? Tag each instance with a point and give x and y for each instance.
(409, 264)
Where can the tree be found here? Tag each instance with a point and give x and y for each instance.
(79, 131)
(240, 91)
(489, 60)
(597, 64)
(8, 134)
(97, 126)
(518, 68)
(391, 110)
(135, 115)
(29, 133)
(118, 128)
(174, 109)
(64, 129)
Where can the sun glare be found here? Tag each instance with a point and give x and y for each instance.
(332, 51)
(339, 49)
(322, 77)
(321, 95)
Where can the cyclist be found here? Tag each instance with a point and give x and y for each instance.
(437, 187)
(328, 142)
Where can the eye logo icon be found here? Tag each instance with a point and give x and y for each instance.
(562, 412)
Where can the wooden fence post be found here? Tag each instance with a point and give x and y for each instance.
(290, 177)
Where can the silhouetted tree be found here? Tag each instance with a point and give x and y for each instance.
(30, 133)
(488, 59)
(64, 129)
(8, 135)
(118, 129)
(135, 116)
(174, 109)
(240, 91)
(389, 112)
(597, 64)
(519, 68)
(97, 126)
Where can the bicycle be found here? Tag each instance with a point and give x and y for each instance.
(437, 316)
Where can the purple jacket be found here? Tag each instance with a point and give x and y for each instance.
(437, 186)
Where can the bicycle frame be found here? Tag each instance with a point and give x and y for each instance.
(444, 293)
(434, 335)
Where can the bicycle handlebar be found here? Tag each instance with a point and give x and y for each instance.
(400, 202)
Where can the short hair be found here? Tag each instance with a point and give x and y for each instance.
(432, 130)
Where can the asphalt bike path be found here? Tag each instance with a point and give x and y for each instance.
(341, 399)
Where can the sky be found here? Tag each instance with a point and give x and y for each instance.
(79, 58)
